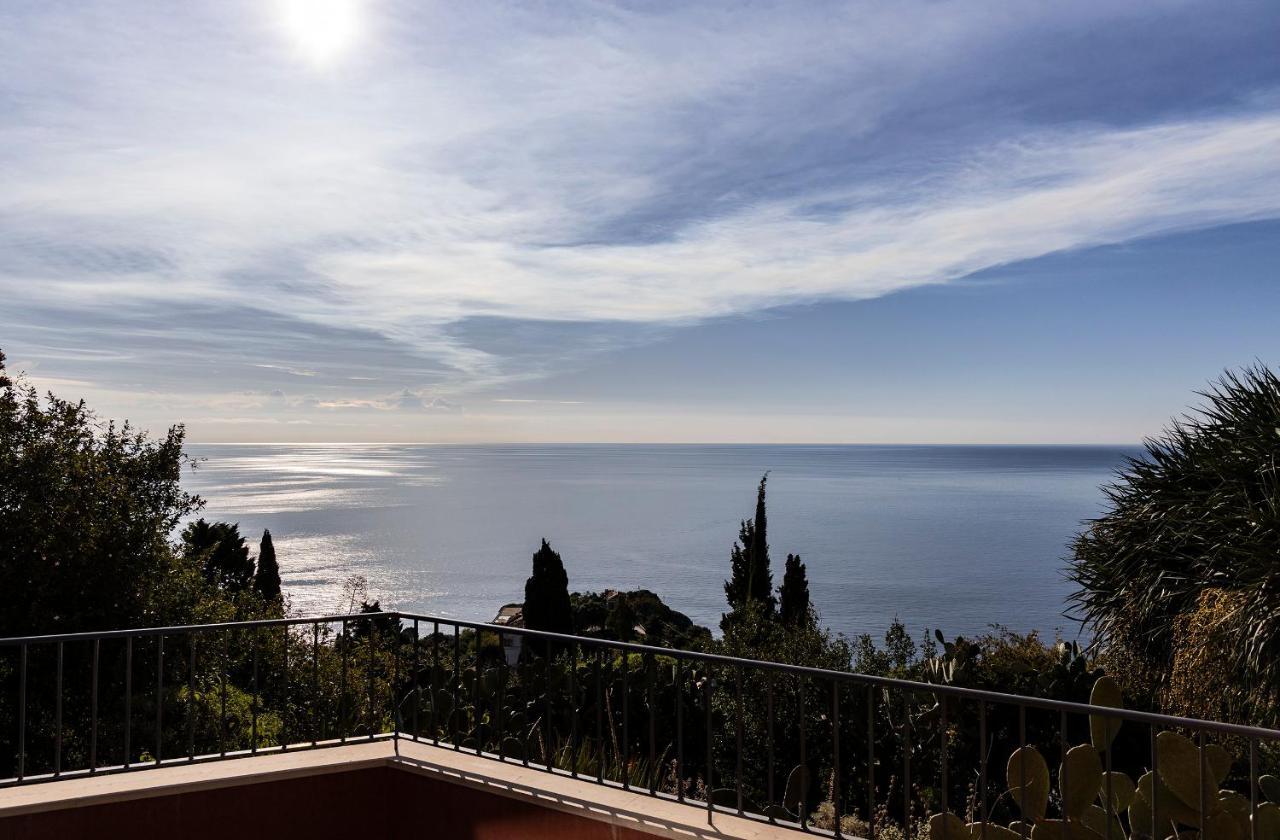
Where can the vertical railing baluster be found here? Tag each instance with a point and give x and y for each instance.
(317, 719)
(942, 744)
(984, 756)
(626, 722)
(1204, 804)
(679, 695)
(599, 718)
(1253, 789)
(651, 670)
(1107, 780)
(706, 691)
(871, 761)
(191, 696)
(160, 698)
(371, 721)
(93, 709)
(906, 764)
(835, 753)
(804, 762)
(1022, 772)
(57, 753)
(1063, 746)
(393, 687)
(22, 713)
(769, 747)
(475, 696)
(457, 677)
(1155, 785)
(573, 712)
(435, 667)
(548, 754)
(523, 675)
(417, 696)
(253, 695)
(284, 691)
(222, 690)
(737, 775)
(342, 689)
(502, 695)
(128, 700)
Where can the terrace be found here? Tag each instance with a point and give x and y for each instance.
(395, 724)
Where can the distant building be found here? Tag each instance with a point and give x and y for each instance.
(511, 615)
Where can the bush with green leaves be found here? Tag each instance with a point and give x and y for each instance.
(1181, 573)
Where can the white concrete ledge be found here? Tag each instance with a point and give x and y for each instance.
(203, 774)
(611, 804)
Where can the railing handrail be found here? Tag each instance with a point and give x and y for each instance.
(870, 679)
(178, 629)
(1242, 730)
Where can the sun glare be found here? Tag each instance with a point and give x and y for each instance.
(321, 30)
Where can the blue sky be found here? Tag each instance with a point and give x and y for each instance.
(792, 221)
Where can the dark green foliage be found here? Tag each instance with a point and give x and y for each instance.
(85, 513)
(621, 622)
(793, 595)
(222, 553)
(546, 594)
(596, 614)
(751, 580)
(1199, 511)
(266, 579)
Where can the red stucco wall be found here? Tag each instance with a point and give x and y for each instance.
(378, 804)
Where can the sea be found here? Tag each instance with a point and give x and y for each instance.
(955, 538)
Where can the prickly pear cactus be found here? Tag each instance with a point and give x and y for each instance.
(1182, 799)
(1103, 728)
(1027, 775)
(1079, 779)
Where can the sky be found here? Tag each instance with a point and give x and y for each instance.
(408, 220)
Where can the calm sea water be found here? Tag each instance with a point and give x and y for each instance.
(953, 537)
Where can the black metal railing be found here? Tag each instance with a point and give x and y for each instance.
(819, 750)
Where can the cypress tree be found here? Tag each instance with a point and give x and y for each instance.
(546, 594)
(793, 595)
(750, 577)
(222, 552)
(267, 579)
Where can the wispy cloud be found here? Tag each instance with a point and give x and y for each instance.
(287, 369)
(595, 162)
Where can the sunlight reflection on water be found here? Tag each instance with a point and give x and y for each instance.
(952, 537)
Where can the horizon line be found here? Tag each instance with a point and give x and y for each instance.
(1131, 444)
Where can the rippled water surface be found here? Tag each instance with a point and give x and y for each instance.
(955, 537)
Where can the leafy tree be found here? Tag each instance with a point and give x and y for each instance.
(222, 553)
(1179, 579)
(793, 595)
(750, 580)
(86, 509)
(596, 614)
(267, 578)
(546, 594)
(622, 619)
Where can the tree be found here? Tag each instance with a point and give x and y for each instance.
(793, 595)
(267, 578)
(222, 553)
(751, 581)
(1179, 579)
(546, 594)
(86, 510)
(621, 622)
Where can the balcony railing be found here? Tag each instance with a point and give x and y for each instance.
(872, 756)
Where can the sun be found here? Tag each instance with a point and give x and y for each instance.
(321, 30)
